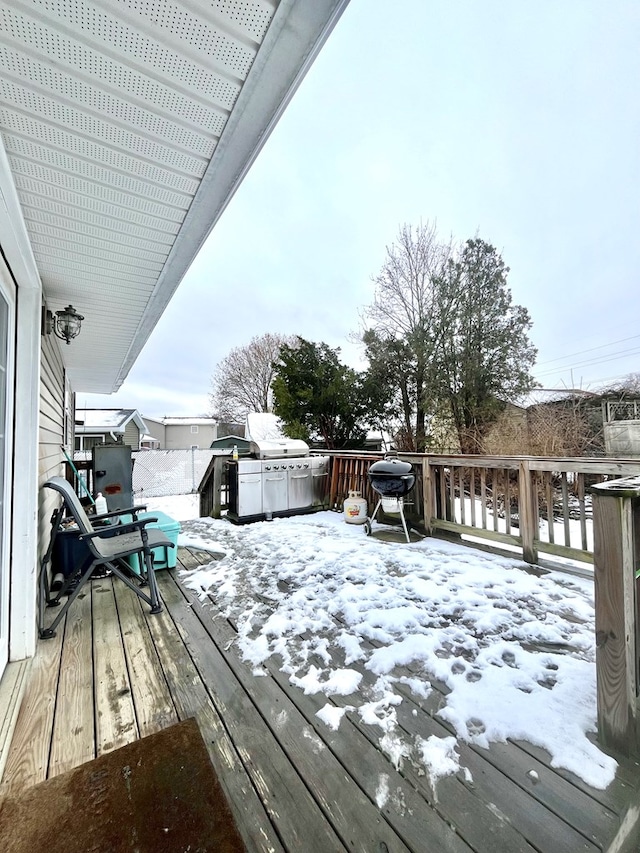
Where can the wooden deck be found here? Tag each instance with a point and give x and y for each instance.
(115, 673)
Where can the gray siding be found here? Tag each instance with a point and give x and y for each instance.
(180, 437)
(156, 429)
(56, 431)
(132, 435)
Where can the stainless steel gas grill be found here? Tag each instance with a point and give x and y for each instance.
(392, 479)
(279, 479)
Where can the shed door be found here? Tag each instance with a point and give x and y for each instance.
(6, 419)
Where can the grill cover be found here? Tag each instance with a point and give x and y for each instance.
(278, 448)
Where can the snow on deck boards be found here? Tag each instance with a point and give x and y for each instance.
(294, 782)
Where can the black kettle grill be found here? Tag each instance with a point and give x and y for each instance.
(392, 479)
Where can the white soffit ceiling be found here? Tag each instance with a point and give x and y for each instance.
(127, 126)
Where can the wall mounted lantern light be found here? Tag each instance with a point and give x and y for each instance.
(64, 324)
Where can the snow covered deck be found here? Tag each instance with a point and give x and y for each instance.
(306, 769)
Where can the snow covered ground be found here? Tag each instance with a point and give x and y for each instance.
(515, 650)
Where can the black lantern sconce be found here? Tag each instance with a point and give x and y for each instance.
(64, 324)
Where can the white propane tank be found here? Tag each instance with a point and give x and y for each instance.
(101, 504)
(355, 509)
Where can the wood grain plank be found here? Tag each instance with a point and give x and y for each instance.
(472, 493)
(543, 829)
(12, 686)
(351, 810)
(565, 796)
(154, 707)
(342, 766)
(452, 493)
(549, 497)
(528, 514)
(570, 815)
(115, 714)
(565, 510)
(73, 739)
(192, 700)
(483, 496)
(463, 508)
(583, 517)
(428, 497)
(28, 756)
(616, 654)
(299, 820)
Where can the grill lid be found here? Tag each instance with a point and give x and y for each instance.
(279, 447)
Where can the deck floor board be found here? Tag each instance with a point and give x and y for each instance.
(154, 707)
(114, 673)
(75, 692)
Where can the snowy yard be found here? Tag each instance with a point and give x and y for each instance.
(360, 620)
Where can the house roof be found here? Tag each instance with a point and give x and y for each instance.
(107, 420)
(126, 129)
(188, 421)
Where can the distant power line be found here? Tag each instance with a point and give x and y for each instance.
(591, 349)
(590, 362)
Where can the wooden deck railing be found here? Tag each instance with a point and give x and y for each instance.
(538, 505)
(549, 506)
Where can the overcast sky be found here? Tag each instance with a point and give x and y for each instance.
(518, 121)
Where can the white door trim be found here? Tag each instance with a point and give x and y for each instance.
(24, 526)
(24, 557)
(7, 294)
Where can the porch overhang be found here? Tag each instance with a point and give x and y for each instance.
(126, 129)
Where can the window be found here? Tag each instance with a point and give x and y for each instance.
(194, 428)
(86, 442)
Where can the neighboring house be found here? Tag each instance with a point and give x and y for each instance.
(148, 442)
(122, 139)
(108, 426)
(548, 422)
(622, 427)
(182, 433)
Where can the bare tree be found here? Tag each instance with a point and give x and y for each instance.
(404, 327)
(242, 381)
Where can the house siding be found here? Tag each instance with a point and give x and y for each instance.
(56, 415)
(132, 435)
(180, 437)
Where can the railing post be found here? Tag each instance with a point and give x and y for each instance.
(218, 462)
(333, 488)
(428, 508)
(615, 504)
(528, 514)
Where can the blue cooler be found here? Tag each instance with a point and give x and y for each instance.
(163, 557)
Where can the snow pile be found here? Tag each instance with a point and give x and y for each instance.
(263, 426)
(515, 650)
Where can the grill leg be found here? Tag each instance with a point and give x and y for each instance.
(404, 523)
(375, 512)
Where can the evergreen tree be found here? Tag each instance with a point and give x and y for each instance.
(485, 356)
(317, 398)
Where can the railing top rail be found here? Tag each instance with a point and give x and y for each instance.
(584, 464)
